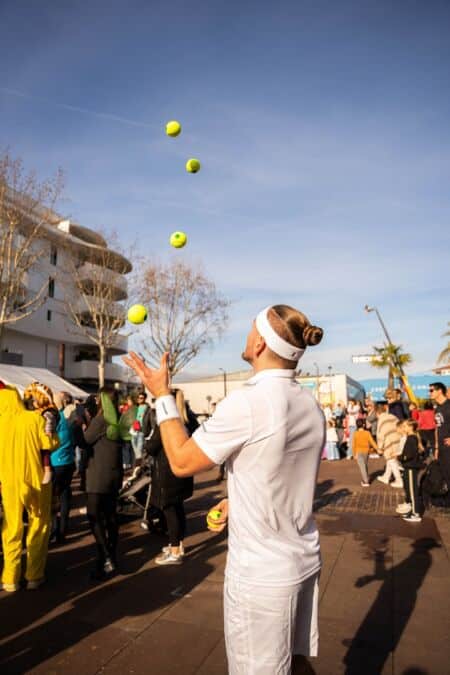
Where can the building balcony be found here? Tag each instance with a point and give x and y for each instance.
(88, 370)
(89, 275)
(119, 347)
(85, 309)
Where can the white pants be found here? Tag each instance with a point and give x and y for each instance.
(266, 626)
(393, 467)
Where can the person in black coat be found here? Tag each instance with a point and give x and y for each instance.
(396, 406)
(412, 461)
(84, 414)
(104, 475)
(168, 492)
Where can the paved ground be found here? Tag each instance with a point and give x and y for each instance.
(383, 605)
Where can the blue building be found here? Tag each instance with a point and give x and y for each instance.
(375, 387)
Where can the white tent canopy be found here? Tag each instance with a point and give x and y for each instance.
(21, 377)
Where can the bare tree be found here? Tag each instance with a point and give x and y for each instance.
(25, 212)
(94, 291)
(185, 312)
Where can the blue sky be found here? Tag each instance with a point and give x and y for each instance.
(323, 129)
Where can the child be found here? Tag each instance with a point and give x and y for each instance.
(361, 443)
(388, 441)
(39, 397)
(411, 459)
(331, 447)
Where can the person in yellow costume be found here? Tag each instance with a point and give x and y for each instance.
(22, 437)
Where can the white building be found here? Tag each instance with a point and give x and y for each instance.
(47, 338)
(202, 393)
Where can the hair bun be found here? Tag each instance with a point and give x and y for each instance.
(312, 335)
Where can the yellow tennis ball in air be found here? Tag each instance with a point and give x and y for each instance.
(211, 519)
(173, 128)
(193, 165)
(178, 239)
(137, 314)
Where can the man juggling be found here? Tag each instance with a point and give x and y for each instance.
(271, 434)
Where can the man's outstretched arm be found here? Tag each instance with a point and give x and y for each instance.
(184, 455)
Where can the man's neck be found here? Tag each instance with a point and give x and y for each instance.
(270, 365)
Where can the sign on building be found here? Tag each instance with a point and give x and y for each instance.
(363, 358)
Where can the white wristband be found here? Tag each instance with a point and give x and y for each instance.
(166, 409)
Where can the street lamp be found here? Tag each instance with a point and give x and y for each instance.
(383, 325)
(224, 381)
(397, 362)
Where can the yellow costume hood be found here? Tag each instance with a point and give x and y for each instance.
(10, 402)
(22, 437)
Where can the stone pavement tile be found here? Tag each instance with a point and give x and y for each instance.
(421, 575)
(356, 581)
(212, 547)
(167, 647)
(203, 606)
(50, 653)
(216, 662)
(443, 525)
(421, 648)
(330, 548)
(339, 653)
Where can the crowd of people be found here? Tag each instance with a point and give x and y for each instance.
(50, 437)
(414, 441)
(269, 434)
(47, 438)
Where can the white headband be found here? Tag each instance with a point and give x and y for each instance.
(274, 341)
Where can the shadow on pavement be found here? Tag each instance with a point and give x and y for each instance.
(78, 608)
(380, 632)
(323, 497)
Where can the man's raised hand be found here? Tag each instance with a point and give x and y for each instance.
(156, 381)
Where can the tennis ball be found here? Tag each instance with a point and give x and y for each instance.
(211, 519)
(193, 165)
(178, 239)
(137, 314)
(173, 128)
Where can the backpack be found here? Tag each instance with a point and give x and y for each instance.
(433, 481)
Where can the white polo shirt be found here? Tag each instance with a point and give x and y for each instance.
(271, 433)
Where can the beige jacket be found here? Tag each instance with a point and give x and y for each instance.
(388, 438)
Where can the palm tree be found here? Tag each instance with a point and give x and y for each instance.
(445, 353)
(391, 357)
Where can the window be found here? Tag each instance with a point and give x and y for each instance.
(53, 255)
(51, 288)
(49, 315)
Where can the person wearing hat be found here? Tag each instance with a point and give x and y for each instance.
(271, 434)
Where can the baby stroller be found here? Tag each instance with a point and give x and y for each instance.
(136, 491)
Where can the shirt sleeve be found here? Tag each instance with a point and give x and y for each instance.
(47, 442)
(225, 432)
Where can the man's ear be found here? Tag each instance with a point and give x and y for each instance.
(260, 345)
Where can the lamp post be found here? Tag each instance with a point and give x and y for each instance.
(224, 381)
(397, 362)
(383, 325)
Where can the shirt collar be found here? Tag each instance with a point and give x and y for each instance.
(288, 373)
